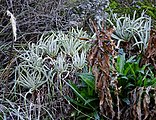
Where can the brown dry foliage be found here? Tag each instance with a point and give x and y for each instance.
(99, 59)
(142, 99)
(150, 52)
(143, 104)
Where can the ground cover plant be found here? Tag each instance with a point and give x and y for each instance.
(41, 73)
(86, 100)
(52, 71)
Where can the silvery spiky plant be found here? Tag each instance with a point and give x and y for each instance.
(54, 57)
(71, 44)
(56, 52)
(60, 64)
(50, 44)
(30, 73)
(127, 28)
(79, 60)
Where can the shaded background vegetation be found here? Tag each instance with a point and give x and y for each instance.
(35, 17)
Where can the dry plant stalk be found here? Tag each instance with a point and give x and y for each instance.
(141, 102)
(99, 60)
(150, 53)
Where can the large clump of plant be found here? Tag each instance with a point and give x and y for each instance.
(51, 76)
(125, 89)
(41, 74)
(85, 100)
(132, 31)
(135, 78)
(56, 52)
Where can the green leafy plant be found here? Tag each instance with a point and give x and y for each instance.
(86, 99)
(148, 6)
(131, 75)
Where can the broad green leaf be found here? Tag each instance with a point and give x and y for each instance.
(76, 92)
(121, 63)
(88, 79)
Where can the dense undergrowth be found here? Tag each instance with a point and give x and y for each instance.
(82, 60)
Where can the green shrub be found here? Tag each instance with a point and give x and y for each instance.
(131, 75)
(86, 99)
